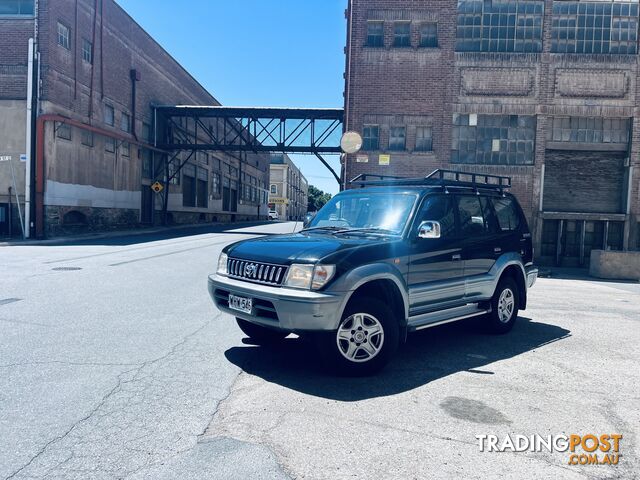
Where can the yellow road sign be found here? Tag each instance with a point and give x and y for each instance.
(157, 187)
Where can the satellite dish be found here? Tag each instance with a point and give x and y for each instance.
(351, 142)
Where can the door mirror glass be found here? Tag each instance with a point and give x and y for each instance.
(429, 229)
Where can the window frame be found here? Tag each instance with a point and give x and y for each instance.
(125, 117)
(87, 51)
(392, 147)
(425, 44)
(378, 43)
(63, 40)
(110, 141)
(370, 147)
(20, 14)
(87, 138)
(61, 127)
(108, 107)
(418, 148)
(401, 40)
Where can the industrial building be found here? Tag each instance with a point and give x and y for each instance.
(288, 190)
(79, 80)
(543, 91)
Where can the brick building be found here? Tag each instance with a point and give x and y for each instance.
(288, 190)
(97, 74)
(543, 91)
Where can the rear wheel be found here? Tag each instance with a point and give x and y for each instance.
(260, 334)
(504, 307)
(365, 341)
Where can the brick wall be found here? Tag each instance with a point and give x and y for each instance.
(14, 39)
(436, 83)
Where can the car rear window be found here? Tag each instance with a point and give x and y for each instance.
(507, 214)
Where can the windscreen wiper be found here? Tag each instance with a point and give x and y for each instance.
(332, 229)
(382, 231)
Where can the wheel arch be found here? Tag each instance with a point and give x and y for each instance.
(381, 281)
(517, 273)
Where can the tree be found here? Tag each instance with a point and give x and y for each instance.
(317, 199)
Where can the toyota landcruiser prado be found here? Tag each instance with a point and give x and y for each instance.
(383, 260)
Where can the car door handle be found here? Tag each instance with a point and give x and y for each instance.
(497, 250)
(457, 257)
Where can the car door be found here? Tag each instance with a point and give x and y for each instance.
(480, 243)
(436, 270)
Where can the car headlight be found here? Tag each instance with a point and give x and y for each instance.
(222, 264)
(309, 276)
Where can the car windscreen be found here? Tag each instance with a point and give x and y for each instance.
(386, 212)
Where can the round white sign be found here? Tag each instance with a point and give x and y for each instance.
(351, 142)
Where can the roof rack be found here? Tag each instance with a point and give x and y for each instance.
(439, 177)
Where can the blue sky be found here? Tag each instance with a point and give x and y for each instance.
(283, 53)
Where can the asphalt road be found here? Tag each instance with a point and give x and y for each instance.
(115, 364)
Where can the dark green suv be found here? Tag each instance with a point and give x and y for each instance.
(380, 261)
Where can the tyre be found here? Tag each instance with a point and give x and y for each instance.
(504, 307)
(365, 341)
(261, 335)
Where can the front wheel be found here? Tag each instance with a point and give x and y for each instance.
(261, 335)
(365, 341)
(504, 307)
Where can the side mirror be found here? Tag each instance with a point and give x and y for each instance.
(429, 230)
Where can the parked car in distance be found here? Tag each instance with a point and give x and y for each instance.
(381, 261)
(273, 215)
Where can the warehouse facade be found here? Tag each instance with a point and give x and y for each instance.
(543, 91)
(96, 78)
(288, 190)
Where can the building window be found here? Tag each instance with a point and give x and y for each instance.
(402, 34)
(87, 51)
(215, 184)
(493, 139)
(375, 34)
(397, 138)
(109, 145)
(594, 27)
(63, 36)
(590, 130)
(109, 115)
(424, 139)
(147, 164)
(63, 131)
(371, 137)
(146, 132)
(125, 122)
(16, 8)
(274, 189)
(87, 138)
(500, 26)
(202, 158)
(126, 149)
(429, 35)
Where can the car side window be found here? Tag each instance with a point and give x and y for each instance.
(472, 222)
(439, 208)
(490, 220)
(507, 214)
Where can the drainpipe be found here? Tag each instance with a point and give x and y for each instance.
(27, 176)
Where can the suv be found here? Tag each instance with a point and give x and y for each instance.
(381, 261)
(273, 215)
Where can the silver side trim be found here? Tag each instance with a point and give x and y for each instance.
(432, 319)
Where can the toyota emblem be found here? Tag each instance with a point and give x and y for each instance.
(250, 270)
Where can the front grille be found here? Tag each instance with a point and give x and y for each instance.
(265, 273)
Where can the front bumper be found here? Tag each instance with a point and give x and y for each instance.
(532, 276)
(277, 307)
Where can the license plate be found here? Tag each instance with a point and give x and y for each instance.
(241, 304)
